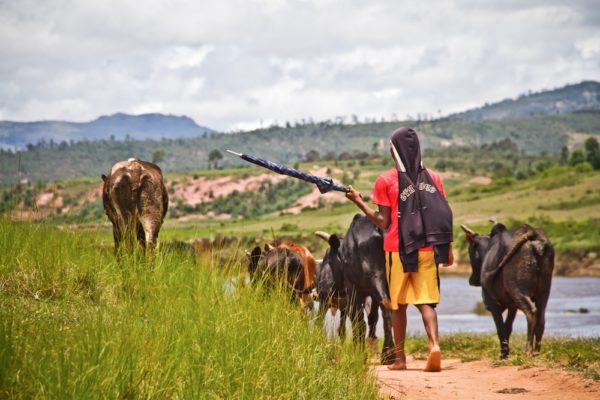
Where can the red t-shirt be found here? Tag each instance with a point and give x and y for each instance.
(385, 193)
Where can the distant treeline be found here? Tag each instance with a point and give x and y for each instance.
(328, 140)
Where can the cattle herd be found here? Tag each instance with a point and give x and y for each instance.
(512, 266)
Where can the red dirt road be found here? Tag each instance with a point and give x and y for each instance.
(481, 381)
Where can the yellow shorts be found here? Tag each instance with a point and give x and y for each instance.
(422, 287)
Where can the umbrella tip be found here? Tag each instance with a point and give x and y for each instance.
(234, 153)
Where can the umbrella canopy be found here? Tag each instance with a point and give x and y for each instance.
(325, 184)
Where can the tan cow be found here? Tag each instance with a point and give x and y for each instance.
(135, 201)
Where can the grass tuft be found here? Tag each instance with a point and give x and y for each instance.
(77, 323)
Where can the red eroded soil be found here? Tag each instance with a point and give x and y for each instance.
(202, 189)
(479, 380)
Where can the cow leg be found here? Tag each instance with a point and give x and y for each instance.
(342, 327)
(496, 311)
(150, 228)
(539, 327)
(141, 235)
(529, 309)
(357, 318)
(508, 322)
(372, 318)
(117, 237)
(387, 352)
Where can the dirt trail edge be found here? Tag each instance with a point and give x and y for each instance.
(482, 381)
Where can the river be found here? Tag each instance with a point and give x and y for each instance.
(573, 310)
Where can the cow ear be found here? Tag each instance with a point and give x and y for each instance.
(334, 241)
(104, 177)
(470, 234)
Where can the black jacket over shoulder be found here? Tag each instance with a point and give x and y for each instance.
(424, 216)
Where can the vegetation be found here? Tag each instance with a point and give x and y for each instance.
(75, 323)
(581, 355)
(562, 199)
(581, 97)
(331, 139)
(267, 199)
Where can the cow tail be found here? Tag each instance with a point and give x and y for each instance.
(525, 237)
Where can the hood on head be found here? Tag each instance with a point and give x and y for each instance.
(406, 151)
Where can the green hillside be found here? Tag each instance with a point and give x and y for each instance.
(323, 140)
(568, 99)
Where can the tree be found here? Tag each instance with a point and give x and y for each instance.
(564, 155)
(592, 152)
(158, 155)
(214, 157)
(576, 157)
(312, 155)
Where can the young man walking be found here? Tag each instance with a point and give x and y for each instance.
(418, 221)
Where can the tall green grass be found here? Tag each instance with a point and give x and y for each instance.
(77, 323)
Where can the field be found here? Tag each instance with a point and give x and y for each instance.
(254, 206)
(77, 322)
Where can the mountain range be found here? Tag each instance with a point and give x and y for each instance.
(17, 135)
(584, 96)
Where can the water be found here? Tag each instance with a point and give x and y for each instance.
(458, 301)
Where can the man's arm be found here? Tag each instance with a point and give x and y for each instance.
(381, 218)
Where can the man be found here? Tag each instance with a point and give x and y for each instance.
(418, 221)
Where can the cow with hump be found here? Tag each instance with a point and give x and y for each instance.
(290, 262)
(514, 269)
(136, 201)
(352, 278)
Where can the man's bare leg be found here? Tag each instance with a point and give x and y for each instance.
(429, 315)
(399, 329)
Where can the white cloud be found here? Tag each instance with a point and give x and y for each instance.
(232, 64)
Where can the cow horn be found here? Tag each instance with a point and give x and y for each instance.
(493, 221)
(467, 230)
(323, 235)
(269, 247)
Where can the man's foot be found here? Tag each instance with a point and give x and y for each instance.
(434, 360)
(397, 366)
(400, 362)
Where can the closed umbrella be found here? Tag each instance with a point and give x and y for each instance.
(325, 184)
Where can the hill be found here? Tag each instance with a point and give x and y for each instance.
(584, 96)
(315, 141)
(17, 135)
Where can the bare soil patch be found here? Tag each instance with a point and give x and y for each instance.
(482, 381)
(480, 180)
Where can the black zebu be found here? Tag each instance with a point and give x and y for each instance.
(352, 278)
(514, 269)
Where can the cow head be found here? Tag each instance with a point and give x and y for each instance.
(331, 275)
(477, 246)
(253, 258)
(277, 264)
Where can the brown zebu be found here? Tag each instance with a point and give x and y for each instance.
(289, 261)
(136, 201)
(514, 269)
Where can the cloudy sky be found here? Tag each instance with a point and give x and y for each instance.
(231, 64)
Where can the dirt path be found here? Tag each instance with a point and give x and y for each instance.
(479, 380)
